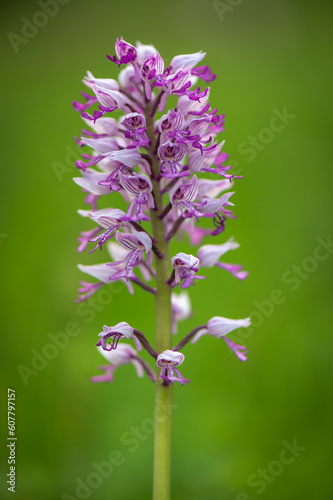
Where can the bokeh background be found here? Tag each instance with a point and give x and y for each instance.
(234, 418)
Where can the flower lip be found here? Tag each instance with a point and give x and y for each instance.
(239, 350)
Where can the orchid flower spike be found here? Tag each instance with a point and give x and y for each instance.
(167, 168)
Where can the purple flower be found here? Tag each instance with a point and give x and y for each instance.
(137, 243)
(126, 53)
(103, 273)
(197, 126)
(117, 252)
(172, 83)
(185, 267)
(110, 100)
(171, 155)
(202, 160)
(135, 125)
(123, 355)
(171, 127)
(168, 360)
(217, 209)
(170, 123)
(152, 66)
(107, 183)
(109, 218)
(209, 255)
(141, 188)
(133, 122)
(117, 161)
(182, 196)
(119, 331)
(219, 327)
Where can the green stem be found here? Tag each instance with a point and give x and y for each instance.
(163, 399)
(163, 320)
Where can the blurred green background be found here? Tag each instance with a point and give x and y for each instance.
(233, 418)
